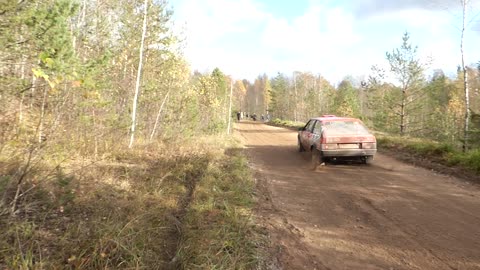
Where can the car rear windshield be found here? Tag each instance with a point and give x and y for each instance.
(345, 128)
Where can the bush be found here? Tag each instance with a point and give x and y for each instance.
(470, 160)
(287, 123)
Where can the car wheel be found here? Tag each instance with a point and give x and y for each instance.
(300, 146)
(316, 158)
(367, 160)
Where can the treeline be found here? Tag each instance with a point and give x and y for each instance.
(75, 86)
(400, 100)
(69, 73)
(75, 190)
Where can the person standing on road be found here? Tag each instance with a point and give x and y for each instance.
(238, 116)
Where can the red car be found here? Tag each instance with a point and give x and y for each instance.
(330, 137)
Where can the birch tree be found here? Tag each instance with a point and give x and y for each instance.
(230, 107)
(465, 79)
(139, 73)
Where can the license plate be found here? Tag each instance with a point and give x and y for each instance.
(348, 145)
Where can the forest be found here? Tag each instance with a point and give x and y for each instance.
(97, 96)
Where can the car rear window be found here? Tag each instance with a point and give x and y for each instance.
(345, 128)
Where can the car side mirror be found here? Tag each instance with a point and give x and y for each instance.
(301, 129)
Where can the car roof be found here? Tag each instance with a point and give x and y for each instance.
(330, 117)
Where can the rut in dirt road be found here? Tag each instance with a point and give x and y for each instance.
(387, 215)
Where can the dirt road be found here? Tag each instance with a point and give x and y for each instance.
(387, 215)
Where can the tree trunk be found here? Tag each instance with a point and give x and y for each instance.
(32, 91)
(22, 77)
(402, 112)
(95, 136)
(230, 108)
(24, 173)
(139, 72)
(84, 12)
(158, 115)
(42, 116)
(295, 98)
(466, 129)
(318, 91)
(225, 105)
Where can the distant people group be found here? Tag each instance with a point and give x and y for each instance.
(253, 116)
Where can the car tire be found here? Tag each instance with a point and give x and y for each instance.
(367, 160)
(317, 158)
(300, 146)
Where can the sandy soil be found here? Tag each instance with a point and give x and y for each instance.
(386, 215)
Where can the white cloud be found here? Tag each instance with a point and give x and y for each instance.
(366, 8)
(317, 31)
(206, 24)
(244, 39)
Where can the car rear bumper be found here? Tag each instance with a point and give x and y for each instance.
(349, 152)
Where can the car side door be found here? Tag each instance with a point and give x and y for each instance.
(316, 134)
(307, 135)
(302, 134)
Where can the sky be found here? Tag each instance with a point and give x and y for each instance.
(247, 38)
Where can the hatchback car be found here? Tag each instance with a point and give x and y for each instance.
(330, 137)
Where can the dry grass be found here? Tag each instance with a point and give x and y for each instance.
(220, 232)
(155, 207)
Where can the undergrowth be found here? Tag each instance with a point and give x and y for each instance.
(155, 207)
(287, 123)
(440, 152)
(220, 232)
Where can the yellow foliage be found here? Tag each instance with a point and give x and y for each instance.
(91, 95)
(38, 73)
(214, 103)
(345, 110)
(240, 88)
(76, 83)
(456, 106)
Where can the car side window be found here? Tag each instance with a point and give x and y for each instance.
(318, 128)
(310, 126)
(306, 125)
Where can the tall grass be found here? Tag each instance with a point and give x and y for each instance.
(153, 207)
(469, 160)
(444, 153)
(220, 232)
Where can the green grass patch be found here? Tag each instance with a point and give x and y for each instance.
(443, 153)
(287, 123)
(414, 145)
(469, 160)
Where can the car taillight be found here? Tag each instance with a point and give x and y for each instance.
(369, 145)
(329, 146)
(332, 140)
(372, 139)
